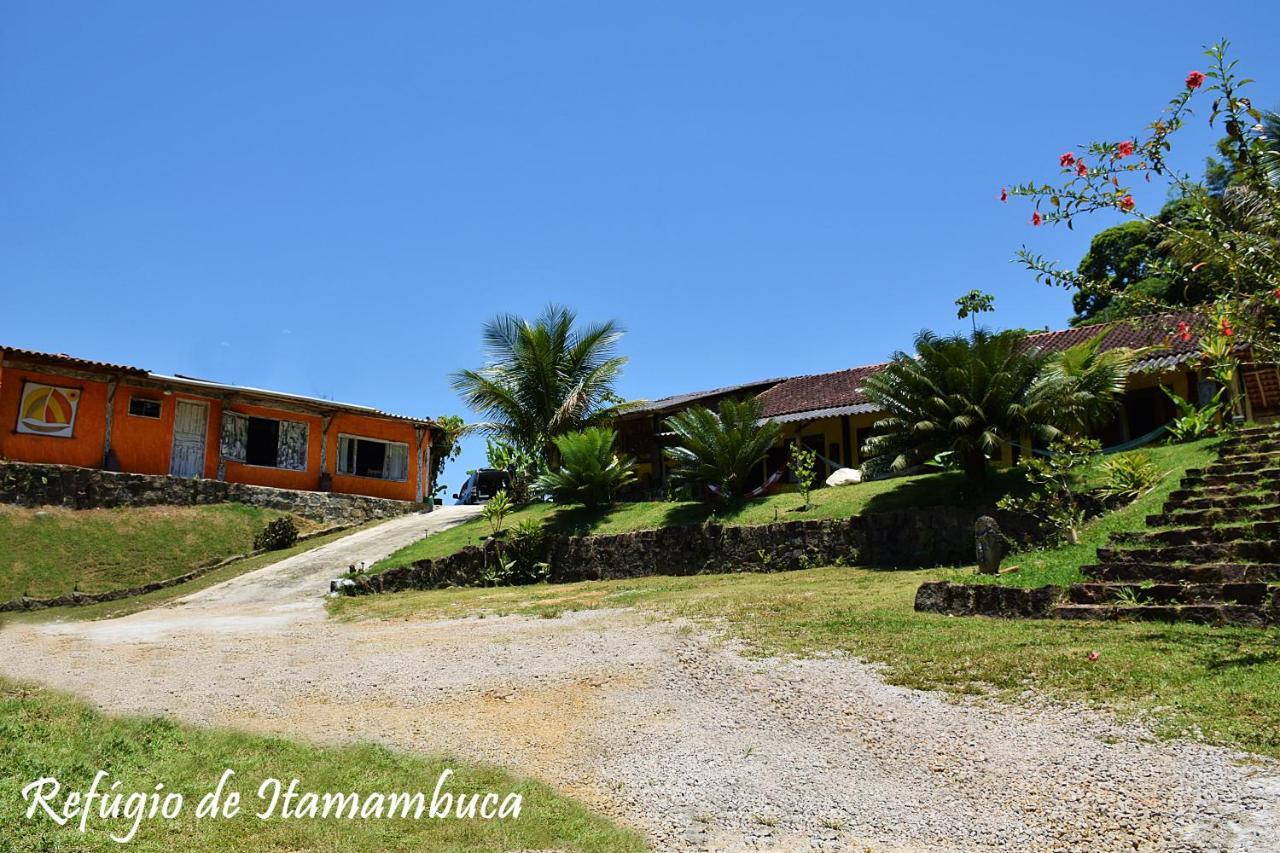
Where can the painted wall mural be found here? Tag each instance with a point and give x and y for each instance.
(48, 410)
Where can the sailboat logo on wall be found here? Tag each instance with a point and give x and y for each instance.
(48, 410)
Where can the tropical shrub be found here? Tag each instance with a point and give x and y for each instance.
(525, 554)
(958, 394)
(495, 511)
(542, 378)
(1194, 422)
(590, 472)
(716, 451)
(524, 467)
(1128, 477)
(1057, 481)
(279, 533)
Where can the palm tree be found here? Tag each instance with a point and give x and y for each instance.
(543, 378)
(1083, 385)
(719, 450)
(965, 395)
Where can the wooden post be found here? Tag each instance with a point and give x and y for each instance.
(106, 433)
(846, 439)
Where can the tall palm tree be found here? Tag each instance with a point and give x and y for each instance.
(719, 450)
(965, 395)
(1083, 385)
(543, 378)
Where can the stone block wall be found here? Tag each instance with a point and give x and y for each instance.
(955, 599)
(28, 484)
(908, 538)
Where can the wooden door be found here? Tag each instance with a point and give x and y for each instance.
(190, 426)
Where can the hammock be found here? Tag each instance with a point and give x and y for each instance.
(759, 490)
(1118, 448)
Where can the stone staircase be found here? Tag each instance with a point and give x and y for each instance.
(1212, 555)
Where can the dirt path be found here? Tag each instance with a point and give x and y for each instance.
(655, 723)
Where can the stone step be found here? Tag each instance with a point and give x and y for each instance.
(1204, 614)
(1264, 551)
(1195, 500)
(1252, 432)
(1196, 478)
(1166, 573)
(1200, 535)
(1231, 447)
(1215, 516)
(1131, 594)
(1237, 463)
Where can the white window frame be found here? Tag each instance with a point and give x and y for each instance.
(353, 437)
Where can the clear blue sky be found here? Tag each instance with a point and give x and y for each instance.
(331, 198)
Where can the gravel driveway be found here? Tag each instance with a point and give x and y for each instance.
(656, 723)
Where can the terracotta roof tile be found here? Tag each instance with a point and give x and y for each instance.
(815, 395)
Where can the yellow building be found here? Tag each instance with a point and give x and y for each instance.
(829, 413)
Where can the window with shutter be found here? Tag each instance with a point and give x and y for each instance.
(235, 436)
(292, 446)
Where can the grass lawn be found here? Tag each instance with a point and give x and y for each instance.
(1219, 683)
(47, 734)
(936, 489)
(125, 606)
(48, 552)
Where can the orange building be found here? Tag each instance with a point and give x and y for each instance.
(72, 411)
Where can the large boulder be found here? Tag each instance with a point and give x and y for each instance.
(844, 477)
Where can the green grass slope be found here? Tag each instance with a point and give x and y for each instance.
(50, 552)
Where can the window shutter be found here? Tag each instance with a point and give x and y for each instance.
(235, 436)
(292, 446)
(396, 464)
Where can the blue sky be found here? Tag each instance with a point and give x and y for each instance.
(331, 198)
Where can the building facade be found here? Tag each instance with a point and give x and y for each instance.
(830, 414)
(59, 409)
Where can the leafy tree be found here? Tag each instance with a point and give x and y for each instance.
(543, 378)
(718, 450)
(445, 447)
(972, 304)
(1082, 387)
(804, 465)
(590, 472)
(1057, 483)
(967, 395)
(1223, 247)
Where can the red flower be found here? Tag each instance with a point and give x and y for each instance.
(1184, 331)
(1081, 169)
(1036, 218)
(1124, 149)
(1093, 657)
(1004, 194)
(1195, 80)
(1126, 203)
(1277, 293)
(1227, 331)
(1066, 160)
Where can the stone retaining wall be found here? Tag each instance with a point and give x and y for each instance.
(907, 538)
(956, 599)
(28, 484)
